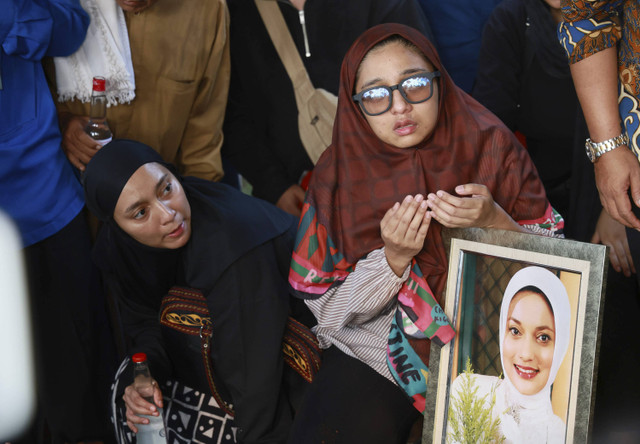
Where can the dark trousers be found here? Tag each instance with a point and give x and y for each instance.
(349, 402)
(73, 344)
(633, 237)
(617, 405)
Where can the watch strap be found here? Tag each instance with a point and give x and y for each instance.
(597, 149)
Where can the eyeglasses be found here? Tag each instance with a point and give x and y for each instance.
(417, 88)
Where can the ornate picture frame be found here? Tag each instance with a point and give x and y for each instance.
(481, 264)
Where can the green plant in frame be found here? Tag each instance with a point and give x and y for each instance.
(470, 419)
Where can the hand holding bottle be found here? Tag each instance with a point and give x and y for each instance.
(137, 405)
(78, 146)
(143, 400)
(83, 136)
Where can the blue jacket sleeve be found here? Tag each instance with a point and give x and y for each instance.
(6, 18)
(42, 28)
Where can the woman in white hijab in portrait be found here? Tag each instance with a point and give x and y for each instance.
(534, 337)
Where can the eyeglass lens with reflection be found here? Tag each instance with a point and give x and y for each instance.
(414, 89)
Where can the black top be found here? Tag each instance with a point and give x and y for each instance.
(524, 78)
(261, 124)
(238, 256)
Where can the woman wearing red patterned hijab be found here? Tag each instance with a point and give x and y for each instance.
(411, 152)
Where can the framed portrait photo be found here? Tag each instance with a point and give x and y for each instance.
(527, 314)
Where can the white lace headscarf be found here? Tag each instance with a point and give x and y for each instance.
(105, 52)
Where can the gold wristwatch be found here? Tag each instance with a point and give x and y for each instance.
(597, 149)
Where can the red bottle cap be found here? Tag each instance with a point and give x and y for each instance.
(139, 357)
(99, 84)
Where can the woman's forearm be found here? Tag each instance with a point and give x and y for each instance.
(361, 297)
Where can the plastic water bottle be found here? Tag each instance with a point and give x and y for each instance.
(154, 432)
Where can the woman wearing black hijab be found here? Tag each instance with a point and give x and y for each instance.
(162, 231)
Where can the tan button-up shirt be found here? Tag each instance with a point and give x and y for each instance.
(180, 55)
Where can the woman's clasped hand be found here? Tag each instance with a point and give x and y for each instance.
(403, 229)
(472, 207)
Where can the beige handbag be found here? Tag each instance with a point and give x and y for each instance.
(316, 106)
